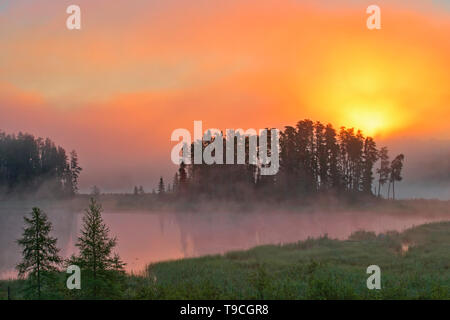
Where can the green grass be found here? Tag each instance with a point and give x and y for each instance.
(313, 269)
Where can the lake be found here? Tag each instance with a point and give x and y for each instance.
(147, 237)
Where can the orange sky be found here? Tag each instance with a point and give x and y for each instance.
(140, 69)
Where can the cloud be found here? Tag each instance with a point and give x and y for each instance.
(139, 69)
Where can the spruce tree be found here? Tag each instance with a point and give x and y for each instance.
(175, 183)
(384, 169)
(40, 254)
(75, 170)
(396, 170)
(181, 178)
(96, 257)
(370, 156)
(161, 187)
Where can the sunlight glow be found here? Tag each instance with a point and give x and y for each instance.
(370, 120)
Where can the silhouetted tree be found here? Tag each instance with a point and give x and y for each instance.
(396, 170)
(384, 170)
(306, 162)
(320, 159)
(352, 156)
(332, 154)
(40, 254)
(370, 156)
(75, 171)
(175, 182)
(95, 256)
(181, 178)
(161, 187)
(289, 175)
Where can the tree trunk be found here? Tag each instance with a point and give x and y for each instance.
(389, 190)
(38, 261)
(379, 186)
(39, 282)
(393, 190)
(95, 274)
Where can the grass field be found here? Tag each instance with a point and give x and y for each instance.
(415, 264)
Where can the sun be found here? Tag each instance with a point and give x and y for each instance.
(364, 89)
(360, 96)
(370, 117)
(368, 121)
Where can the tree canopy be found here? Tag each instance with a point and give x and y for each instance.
(314, 158)
(28, 164)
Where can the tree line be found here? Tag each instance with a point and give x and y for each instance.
(28, 164)
(42, 266)
(314, 159)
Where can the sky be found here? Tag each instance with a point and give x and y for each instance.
(137, 70)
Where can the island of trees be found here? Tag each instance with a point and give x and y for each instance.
(314, 159)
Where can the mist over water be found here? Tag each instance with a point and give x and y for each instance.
(145, 237)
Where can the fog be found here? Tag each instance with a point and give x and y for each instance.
(151, 236)
(139, 156)
(11, 227)
(426, 172)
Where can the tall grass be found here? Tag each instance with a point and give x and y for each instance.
(415, 264)
(313, 269)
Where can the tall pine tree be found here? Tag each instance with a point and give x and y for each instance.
(75, 170)
(396, 170)
(384, 170)
(40, 254)
(96, 258)
(161, 187)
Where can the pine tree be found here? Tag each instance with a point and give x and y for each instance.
(370, 156)
(75, 170)
(320, 156)
(95, 245)
(40, 254)
(175, 183)
(161, 188)
(181, 178)
(396, 170)
(332, 149)
(384, 170)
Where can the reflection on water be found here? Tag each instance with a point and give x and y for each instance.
(145, 237)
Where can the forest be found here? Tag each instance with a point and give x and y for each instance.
(314, 159)
(29, 164)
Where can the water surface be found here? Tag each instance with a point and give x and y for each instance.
(146, 237)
